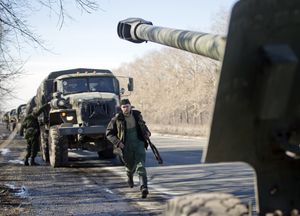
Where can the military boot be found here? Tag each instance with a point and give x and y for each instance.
(33, 163)
(130, 180)
(144, 187)
(26, 162)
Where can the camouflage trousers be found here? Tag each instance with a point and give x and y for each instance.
(134, 154)
(32, 136)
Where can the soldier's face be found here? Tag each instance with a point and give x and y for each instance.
(126, 109)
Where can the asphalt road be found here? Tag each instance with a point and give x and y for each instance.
(182, 173)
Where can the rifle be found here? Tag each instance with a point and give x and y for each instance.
(155, 152)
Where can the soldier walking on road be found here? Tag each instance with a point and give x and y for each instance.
(127, 132)
(32, 134)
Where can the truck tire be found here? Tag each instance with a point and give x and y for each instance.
(107, 153)
(121, 161)
(13, 127)
(21, 131)
(58, 148)
(44, 144)
(212, 204)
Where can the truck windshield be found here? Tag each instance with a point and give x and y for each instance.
(101, 84)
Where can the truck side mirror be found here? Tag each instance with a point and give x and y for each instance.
(130, 84)
(57, 95)
(122, 90)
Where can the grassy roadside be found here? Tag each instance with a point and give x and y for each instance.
(186, 131)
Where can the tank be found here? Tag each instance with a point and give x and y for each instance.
(256, 116)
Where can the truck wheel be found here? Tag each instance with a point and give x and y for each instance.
(107, 153)
(205, 204)
(121, 161)
(44, 144)
(21, 130)
(58, 148)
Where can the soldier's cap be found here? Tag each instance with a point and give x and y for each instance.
(125, 101)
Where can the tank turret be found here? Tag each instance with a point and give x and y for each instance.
(256, 117)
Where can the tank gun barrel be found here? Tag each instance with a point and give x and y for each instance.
(138, 30)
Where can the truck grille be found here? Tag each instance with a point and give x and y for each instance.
(98, 113)
(103, 109)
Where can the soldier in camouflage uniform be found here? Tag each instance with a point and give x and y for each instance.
(127, 132)
(31, 125)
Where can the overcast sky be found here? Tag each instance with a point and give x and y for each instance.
(92, 42)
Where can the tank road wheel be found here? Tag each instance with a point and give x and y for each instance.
(205, 204)
(44, 145)
(58, 148)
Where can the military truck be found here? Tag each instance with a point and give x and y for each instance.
(5, 120)
(12, 121)
(30, 106)
(256, 117)
(83, 101)
(20, 115)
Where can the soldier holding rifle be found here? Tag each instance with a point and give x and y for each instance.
(127, 131)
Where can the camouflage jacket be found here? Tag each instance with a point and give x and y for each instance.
(31, 120)
(116, 130)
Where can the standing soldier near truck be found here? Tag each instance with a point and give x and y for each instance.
(127, 132)
(32, 134)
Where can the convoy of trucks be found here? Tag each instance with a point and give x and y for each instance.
(82, 102)
(256, 117)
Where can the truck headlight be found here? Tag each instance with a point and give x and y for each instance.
(69, 118)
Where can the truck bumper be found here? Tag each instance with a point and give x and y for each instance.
(69, 129)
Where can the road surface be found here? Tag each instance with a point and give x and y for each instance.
(94, 186)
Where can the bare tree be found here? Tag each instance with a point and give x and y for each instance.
(172, 87)
(15, 32)
(220, 21)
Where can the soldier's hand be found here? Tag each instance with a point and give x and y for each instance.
(147, 134)
(121, 145)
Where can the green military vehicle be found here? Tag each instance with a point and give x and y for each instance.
(256, 117)
(83, 101)
(12, 121)
(5, 120)
(20, 115)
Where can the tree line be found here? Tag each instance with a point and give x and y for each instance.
(174, 88)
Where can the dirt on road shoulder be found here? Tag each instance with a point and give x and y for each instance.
(83, 188)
